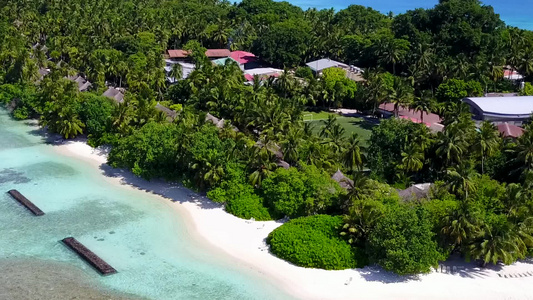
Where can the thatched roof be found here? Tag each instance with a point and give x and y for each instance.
(219, 123)
(344, 182)
(416, 192)
(114, 94)
(83, 84)
(274, 148)
(283, 164)
(169, 112)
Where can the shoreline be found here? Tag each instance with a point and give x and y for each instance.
(208, 224)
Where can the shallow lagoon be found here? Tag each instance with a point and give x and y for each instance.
(137, 234)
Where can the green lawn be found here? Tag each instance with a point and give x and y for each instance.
(350, 124)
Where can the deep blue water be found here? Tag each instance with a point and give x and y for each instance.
(517, 13)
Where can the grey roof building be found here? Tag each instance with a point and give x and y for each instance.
(344, 182)
(114, 94)
(325, 63)
(416, 192)
(171, 115)
(83, 84)
(514, 110)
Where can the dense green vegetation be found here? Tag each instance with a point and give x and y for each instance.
(265, 162)
(314, 242)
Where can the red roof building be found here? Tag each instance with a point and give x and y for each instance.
(177, 53)
(217, 53)
(243, 57)
(210, 53)
(414, 116)
(509, 130)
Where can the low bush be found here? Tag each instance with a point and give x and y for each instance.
(248, 206)
(314, 242)
(241, 200)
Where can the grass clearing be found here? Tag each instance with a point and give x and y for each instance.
(350, 124)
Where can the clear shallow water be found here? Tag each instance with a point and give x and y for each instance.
(139, 236)
(514, 12)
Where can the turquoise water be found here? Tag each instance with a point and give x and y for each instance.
(139, 236)
(514, 12)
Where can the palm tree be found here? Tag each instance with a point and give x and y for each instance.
(422, 105)
(289, 146)
(391, 51)
(214, 174)
(329, 123)
(487, 142)
(375, 90)
(412, 159)
(497, 242)
(263, 163)
(460, 226)
(335, 138)
(353, 157)
(460, 179)
(450, 147)
(400, 94)
(360, 220)
(176, 72)
(68, 124)
(524, 151)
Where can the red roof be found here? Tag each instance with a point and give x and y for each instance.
(217, 53)
(406, 113)
(243, 57)
(177, 53)
(249, 77)
(508, 130)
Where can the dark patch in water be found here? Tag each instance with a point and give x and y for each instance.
(111, 232)
(83, 219)
(142, 253)
(11, 175)
(29, 278)
(49, 169)
(100, 240)
(11, 140)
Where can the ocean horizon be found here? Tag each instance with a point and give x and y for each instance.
(513, 12)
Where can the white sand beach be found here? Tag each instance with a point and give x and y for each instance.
(244, 241)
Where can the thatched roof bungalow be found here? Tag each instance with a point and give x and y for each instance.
(171, 115)
(344, 182)
(83, 84)
(114, 94)
(416, 192)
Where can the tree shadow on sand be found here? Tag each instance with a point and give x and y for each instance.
(458, 266)
(378, 274)
(175, 192)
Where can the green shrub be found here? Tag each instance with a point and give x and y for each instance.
(21, 113)
(96, 112)
(248, 206)
(314, 242)
(241, 200)
(304, 72)
(240, 197)
(297, 193)
(402, 241)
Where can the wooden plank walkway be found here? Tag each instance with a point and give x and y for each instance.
(89, 256)
(27, 203)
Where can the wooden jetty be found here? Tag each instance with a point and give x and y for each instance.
(89, 256)
(27, 203)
